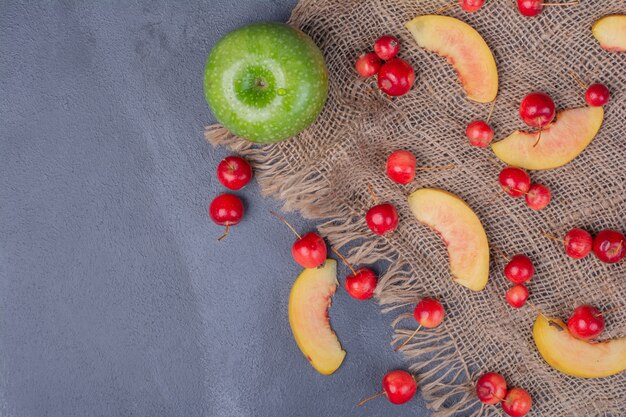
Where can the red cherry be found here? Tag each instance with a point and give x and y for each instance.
(609, 246)
(367, 65)
(361, 284)
(537, 109)
(529, 7)
(226, 210)
(401, 166)
(514, 181)
(309, 250)
(597, 95)
(429, 313)
(519, 270)
(471, 5)
(396, 77)
(234, 172)
(578, 243)
(479, 133)
(517, 295)
(586, 322)
(399, 386)
(386, 47)
(491, 388)
(538, 196)
(382, 218)
(517, 402)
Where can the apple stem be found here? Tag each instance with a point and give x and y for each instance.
(370, 398)
(612, 310)
(371, 191)
(345, 261)
(493, 106)
(224, 235)
(549, 236)
(407, 340)
(578, 80)
(569, 3)
(435, 168)
(286, 222)
(445, 8)
(538, 138)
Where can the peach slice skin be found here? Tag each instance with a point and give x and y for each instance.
(610, 31)
(460, 229)
(464, 48)
(560, 142)
(576, 357)
(309, 300)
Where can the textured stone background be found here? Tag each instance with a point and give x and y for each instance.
(115, 297)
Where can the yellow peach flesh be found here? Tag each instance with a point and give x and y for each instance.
(308, 316)
(560, 142)
(610, 32)
(460, 229)
(464, 48)
(576, 357)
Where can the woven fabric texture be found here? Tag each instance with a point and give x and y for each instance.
(325, 171)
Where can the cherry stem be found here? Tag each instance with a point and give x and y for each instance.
(534, 307)
(445, 8)
(578, 80)
(286, 222)
(224, 235)
(549, 236)
(612, 310)
(538, 138)
(493, 106)
(519, 191)
(409, 339)
(345, 261)
(370, 398)
(371, 191)
(496, 397)
(435, 168)
(569, 3)
(501, 253)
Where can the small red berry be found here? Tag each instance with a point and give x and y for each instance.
(234, 172)
(520, 269)
(309, 250)
(429, 313)
(471, 5)
(537, 109)
(609, 246)
(479, 133)
(597, 95)
(586, 322)
(396, 77)
(368, 65)
(226, 210)
(361, 285)
(517, 402)
(386, 47)
(529, 7)
(517, 295)
(399, 386)
(382, 218)
(491, 388)
(578, 243)
(401, 166)
(538, 196)
(514, 181)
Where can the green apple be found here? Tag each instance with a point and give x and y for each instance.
(266, 82)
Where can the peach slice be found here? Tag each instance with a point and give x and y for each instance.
(308, 316)
(461, 231)
(577, 357)
(464, 48)
(560, 142)
(610, 31)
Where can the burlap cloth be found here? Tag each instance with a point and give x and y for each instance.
(324, 173)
